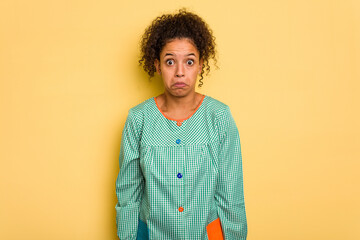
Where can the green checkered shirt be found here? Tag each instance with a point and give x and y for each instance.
(176, 178)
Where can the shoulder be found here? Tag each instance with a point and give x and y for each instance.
(221, 114)
(138, 111)
(216, 107)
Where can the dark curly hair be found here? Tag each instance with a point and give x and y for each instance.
(183, 24)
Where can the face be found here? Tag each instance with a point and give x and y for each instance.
(179, 66)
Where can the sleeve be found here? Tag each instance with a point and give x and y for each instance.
(130, 182)
(229, 193)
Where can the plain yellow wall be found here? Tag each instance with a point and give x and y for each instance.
(289, 70)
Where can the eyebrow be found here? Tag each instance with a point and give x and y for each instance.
(170, 54)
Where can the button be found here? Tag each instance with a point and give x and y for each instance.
(181, 209)
(179, 175)
(179, 123)
(178, 141)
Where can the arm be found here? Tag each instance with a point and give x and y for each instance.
(130, 182)
(229, 194)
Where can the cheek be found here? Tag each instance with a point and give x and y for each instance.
(196, 72)
(166, 77)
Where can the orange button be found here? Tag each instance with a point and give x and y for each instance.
(181, 209)
(179, 123)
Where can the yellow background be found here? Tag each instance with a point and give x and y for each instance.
(289, 70)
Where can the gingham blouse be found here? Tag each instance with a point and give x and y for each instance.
(180, 179)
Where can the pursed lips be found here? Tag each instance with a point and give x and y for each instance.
(179, 84)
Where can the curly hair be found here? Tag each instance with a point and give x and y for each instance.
(183, 24)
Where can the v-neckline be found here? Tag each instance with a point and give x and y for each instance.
(179, 121)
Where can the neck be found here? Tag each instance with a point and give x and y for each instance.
(171, 103)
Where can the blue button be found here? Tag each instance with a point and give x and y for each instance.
(178, 141)
(179, 175)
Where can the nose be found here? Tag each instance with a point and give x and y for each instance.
(180, 71)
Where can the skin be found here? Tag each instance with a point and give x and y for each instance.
(179, 63)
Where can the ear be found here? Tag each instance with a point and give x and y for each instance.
(201, 64)
(157, 66)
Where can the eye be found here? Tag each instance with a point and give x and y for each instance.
(190, 62)
(170, 62)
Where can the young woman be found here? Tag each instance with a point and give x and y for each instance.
(180, 157)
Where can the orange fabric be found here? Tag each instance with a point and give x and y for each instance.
(214, 230)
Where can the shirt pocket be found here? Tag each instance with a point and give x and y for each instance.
(214, 230)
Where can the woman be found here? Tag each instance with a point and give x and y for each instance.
(180, 157)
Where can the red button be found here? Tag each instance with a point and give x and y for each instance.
(181, 209)
(179, 123)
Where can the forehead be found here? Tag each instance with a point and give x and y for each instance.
(182, 46)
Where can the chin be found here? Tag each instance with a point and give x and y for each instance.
(177, 94)
(180, 92)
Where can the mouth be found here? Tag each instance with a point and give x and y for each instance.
(179, 85)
